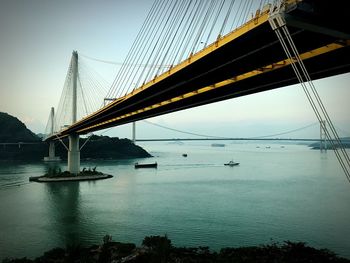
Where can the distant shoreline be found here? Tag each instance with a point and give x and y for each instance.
(232, 139)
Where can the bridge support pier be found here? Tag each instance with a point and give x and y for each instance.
(323, 136)
(134, 132)
(74, 154)
(52, 157)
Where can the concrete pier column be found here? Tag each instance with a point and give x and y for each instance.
(52, 150)
(134, 132)
(74, 154)
(52, 156)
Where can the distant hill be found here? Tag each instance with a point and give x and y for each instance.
(13, 130)
(345, 141)
(104, 147)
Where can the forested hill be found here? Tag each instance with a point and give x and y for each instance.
(13, 130)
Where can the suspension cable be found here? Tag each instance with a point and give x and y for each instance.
(135, 45)
(226, 18)
(147, 45)
(221, 137)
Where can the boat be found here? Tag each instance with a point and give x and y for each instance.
(231, 163)
(146, 165)
(184, 154)
(218, 145)
(176, 142)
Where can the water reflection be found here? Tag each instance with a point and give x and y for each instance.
(64, 211)
(209, 205)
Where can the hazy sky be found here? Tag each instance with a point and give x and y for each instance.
(37, 38)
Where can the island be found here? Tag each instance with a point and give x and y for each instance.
(18, 143)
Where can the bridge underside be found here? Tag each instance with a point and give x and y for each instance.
(251, 62)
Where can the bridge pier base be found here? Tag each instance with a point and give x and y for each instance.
(52, 157)
(74, 154)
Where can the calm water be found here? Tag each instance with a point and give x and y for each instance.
(278, 193)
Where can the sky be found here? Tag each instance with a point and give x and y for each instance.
(37, 38)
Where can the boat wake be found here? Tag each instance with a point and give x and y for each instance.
(6, 185)
(190, 166)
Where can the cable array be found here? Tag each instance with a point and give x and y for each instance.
(93, 86)
(91, 90)
(173, 31)
(49, 125)
(63, 115)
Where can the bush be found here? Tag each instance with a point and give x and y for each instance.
(159, 246)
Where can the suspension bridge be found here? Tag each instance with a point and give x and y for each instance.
(187, 55)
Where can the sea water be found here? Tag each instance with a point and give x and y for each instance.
(279, 191)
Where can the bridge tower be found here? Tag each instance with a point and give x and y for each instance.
(323, 136)
(74, 152)
(134, 132)
(52, 157)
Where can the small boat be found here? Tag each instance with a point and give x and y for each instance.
(176, 142)
(184, 154)
(231, 163)
(146, 165)
(217, 145)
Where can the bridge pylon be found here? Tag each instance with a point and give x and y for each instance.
(52, 156)
(323, 136)
(74, 151)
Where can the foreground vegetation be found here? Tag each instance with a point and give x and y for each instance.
(159, 249)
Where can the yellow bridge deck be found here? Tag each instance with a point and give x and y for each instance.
(248, 60)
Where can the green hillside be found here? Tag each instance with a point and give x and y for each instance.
(13, 130)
